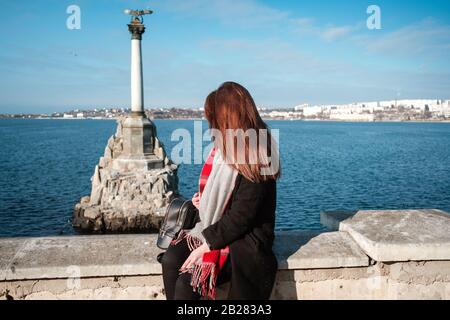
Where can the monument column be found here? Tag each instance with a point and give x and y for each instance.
(136, 29)
(134, 180)
(138, 131)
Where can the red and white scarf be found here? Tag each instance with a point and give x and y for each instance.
(216, 184)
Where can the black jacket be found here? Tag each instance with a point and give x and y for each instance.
(247, 227)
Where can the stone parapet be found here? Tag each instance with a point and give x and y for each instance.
(396, 235)
(312, 265)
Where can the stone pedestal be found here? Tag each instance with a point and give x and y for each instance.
(131, 187)
(138, 146)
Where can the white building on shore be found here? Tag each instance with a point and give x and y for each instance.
(367, 117)
(311, 111)
(301, 107)
(365, 111)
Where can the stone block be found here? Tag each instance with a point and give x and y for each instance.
(401, 235)
(8, 250)
(312, 249)
(84, 256)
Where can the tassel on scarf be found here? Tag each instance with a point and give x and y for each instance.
(181, 235)
(203, 275)
(199, 279)
(193, 242)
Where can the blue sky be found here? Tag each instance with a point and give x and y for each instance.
(284, 52)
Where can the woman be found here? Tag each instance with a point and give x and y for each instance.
(236, 203)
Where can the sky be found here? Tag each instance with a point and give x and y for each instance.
(284, 52)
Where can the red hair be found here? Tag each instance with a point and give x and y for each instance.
(232, 107)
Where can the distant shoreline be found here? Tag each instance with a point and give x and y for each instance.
(265, 119)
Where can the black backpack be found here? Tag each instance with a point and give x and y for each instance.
(181, 214)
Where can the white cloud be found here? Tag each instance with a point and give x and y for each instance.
(303, 22)
(251, 13)
(424, 37)
(229, 12)
(334, 33)
(309, 26)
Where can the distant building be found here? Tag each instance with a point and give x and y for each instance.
(312, 111)
(441, 108)
(80, 115)
(353, 117)
(68, 116)
(300, 107)
(282, 114)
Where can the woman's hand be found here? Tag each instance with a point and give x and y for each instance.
(196, 200)
(195, 257)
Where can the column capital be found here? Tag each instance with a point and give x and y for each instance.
(136, 29)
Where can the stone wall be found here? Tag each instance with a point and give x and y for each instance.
(312, 265)
(397, 281)
(381, 281)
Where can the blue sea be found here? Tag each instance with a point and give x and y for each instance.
(46, 166)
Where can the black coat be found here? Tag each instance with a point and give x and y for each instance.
(247, 227)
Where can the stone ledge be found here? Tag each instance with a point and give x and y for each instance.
(401, 235)
(312, 265)
(127, 255)
(383, 235)
(95, 256)
(314, 250)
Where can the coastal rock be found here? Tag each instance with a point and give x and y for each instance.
(92, 212)
(85, 200)
(97, 189)
(126, 201)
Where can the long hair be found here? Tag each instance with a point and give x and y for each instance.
(241, 135)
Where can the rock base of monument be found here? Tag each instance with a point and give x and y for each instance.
(128, 193)
(131, 164)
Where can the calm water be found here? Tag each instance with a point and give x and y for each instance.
(46, 165)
